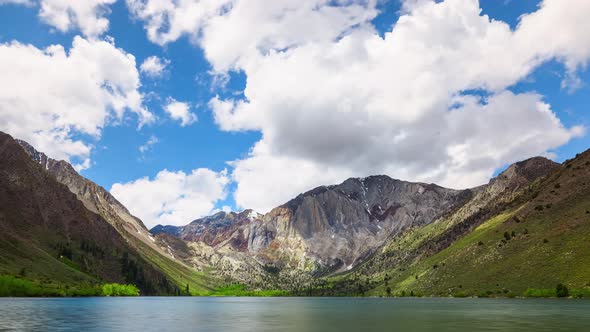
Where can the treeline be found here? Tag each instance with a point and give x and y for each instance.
(11, 286)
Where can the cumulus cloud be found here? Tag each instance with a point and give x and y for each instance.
(363, 104)
(166, 21)
(232, 30)
(153, 66)
(175, 198)
(428, 101)
(56, 99)
(88, 16)
(180, 111)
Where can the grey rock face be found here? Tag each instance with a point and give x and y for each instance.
(214, 230)
(342, 224)
(329, 228)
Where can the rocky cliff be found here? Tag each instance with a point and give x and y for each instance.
(327, 229)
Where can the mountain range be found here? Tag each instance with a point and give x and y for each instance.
(528, 228)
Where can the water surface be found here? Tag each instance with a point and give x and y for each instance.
(293, 314)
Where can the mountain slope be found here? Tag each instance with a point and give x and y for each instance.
(98, 200)
(540, 241)
(527, 228)
(533, 235)
(49, 236)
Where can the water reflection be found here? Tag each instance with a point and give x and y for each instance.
(293, 314)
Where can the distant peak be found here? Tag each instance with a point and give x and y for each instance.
(37, 156)
(531, 168)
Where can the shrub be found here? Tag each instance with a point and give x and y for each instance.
(580, 293)
(11, 286)
(562, 291)
(272, 269)
(539, 292)
(119, 290)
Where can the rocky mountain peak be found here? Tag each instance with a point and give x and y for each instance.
(37, 156)
(530, 169)
(520, 174)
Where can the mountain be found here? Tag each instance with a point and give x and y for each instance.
(62, 227)
(522, 233)
(538, 240)
(329, 228)
(361, 228)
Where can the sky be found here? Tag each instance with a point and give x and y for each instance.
(183, 108)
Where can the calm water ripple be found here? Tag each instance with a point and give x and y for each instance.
(292, 314)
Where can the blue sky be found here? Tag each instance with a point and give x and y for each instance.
(192, 77)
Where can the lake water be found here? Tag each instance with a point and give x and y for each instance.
(292, 314)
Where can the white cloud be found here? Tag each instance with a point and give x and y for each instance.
(148, 145)
(83, 165)
(362, 104)
(153, 66)
(175, 198)
(166, 20)
(65, 15)
(18, 2)
(181, 112)
(232, 30)
(55, 99)
(344, 101)
(88, 16)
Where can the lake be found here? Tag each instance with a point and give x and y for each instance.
(292, 314)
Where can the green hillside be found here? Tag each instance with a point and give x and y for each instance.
(51, 241)
(543, 240)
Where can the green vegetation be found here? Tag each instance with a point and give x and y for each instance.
(11, 286)
(119, 290)
(539, 292)
(240, 290)
(186, 280)
(562, 291)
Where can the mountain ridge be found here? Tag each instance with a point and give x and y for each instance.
(365, 236)
(287, 235)
(99, 201)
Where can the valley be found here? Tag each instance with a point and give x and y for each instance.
(521, 234)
